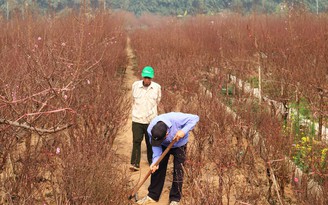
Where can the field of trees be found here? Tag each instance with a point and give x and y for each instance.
(239, 131)
(258, 82)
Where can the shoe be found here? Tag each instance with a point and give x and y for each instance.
(134, 168)
(146, 200)
(174, 203)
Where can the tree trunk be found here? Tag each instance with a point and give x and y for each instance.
(7, 10)
(320, 116)
(297, 120)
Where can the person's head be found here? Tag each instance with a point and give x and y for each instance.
(158, 132)
(147, 75)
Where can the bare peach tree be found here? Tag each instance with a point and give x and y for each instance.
(62, 104)
(202, 55)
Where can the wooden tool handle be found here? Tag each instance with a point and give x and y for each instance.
(150, 171)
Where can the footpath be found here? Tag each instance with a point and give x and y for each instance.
(123, 142)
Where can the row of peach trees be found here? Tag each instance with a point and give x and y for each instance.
(195, 54)
(61, 105)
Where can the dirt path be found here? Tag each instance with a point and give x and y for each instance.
(123, 142)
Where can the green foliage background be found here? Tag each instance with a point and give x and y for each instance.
(167, 7)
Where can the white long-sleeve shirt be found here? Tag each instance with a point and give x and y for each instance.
(145, 101)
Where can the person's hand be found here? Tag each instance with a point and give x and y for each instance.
(180, 134)
(153, 168)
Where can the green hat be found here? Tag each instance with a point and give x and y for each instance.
(147, 72)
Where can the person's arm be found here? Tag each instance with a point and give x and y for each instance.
(159, 96)
(160, 107)
(157, 151)
(132, 92)
(188, 122)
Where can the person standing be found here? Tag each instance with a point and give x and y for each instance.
(162, 130)
(146, 95)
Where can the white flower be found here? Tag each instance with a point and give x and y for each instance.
(39, 38)
(88, 81)
(13, 95)
(57, 150)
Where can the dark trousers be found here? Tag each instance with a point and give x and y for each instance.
(158, 178)
(139, 131)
